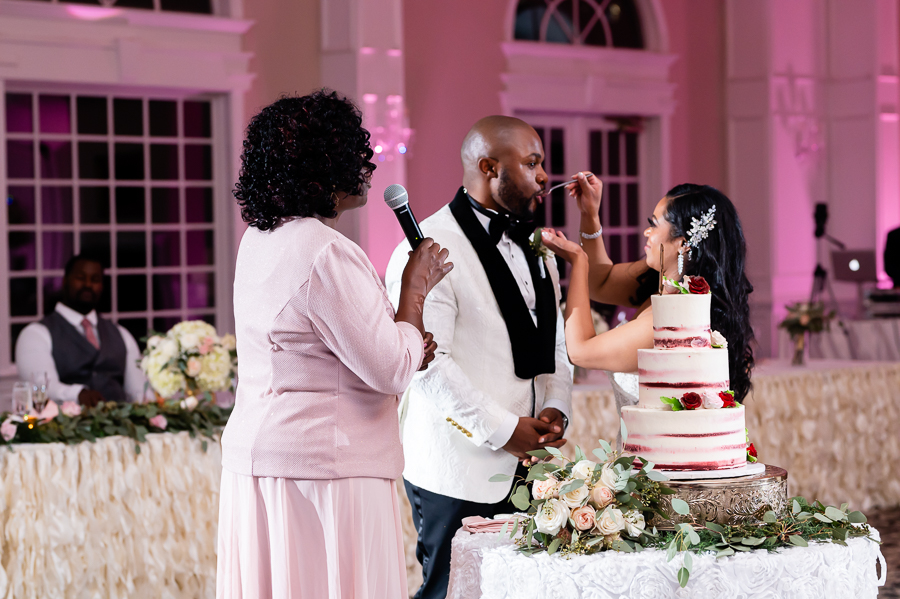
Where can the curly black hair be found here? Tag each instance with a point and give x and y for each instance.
(720, 259)
(299, 152)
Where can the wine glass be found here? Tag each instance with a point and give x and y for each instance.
(21, 398)
(39, 395)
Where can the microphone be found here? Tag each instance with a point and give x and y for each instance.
(396, 198)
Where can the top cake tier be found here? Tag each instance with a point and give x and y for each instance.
(681, 320)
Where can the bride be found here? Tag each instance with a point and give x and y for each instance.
(715, 250)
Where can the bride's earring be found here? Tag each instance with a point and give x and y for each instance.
(680, 261)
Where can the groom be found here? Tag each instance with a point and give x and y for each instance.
(500, 384)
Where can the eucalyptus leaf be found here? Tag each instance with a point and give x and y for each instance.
(835, 514)
(535, 474)
(579, 455)
(839, 533)
(798, 541)
(554, 546)
(620, 545)
(505, 528)
(515, 528)
(605, 446)
(555, 452)
(753, 541)
(499, 478)
(770, 517)
(694, 537)
(539, 453)
(856, 518)
(795, 509)
(600, 454)
(715, 527)
(683, 576)
(822, 518)
(725, 552)
(571, 486)
(688, 562)
(680, 506)
(521, 499)
(671, 550)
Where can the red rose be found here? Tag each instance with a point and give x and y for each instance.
(698, 285)
(751, 451)
(691, 401)
(727, 399)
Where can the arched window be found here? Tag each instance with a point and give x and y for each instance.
(609, 23)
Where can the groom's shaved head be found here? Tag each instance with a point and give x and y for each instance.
(492, 137)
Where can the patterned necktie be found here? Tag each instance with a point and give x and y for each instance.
(89, 333)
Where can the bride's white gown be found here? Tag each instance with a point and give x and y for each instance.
(625, 389)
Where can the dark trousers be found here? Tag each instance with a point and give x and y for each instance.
(437, 518)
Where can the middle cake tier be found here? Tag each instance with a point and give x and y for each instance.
(674, 372)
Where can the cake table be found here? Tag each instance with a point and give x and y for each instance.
(488, 566)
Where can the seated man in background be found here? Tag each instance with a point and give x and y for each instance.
(87, 358)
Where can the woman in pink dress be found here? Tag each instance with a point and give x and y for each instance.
(308, 505)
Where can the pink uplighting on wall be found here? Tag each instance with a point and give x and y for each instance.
(93, 13)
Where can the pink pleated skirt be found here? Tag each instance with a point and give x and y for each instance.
(309, 539)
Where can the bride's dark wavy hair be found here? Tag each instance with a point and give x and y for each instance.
(720, 259)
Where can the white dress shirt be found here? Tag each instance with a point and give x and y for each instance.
(514, 256)
(34, 355)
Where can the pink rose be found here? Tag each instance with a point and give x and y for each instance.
(50, 411)
(8, 430)
(71, 409)
(544, 489)
(194, 366)
(159, 421)
(601, 496)
(206, 345)
(583, 517)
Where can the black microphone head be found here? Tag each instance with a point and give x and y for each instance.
(395, 196)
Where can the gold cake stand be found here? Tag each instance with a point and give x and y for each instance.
(730, 500)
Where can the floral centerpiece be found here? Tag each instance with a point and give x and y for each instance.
(191, 358)
(579, 506)
(803, 318)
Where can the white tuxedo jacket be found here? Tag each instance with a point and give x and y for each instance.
(454, 406)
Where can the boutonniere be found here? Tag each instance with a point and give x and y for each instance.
(537, 246)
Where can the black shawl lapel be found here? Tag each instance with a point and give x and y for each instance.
(533, 348)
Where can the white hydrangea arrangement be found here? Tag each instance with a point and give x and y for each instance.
(190, 358)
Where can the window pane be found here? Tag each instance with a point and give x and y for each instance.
(163, 118)
(54, 114)
(18, 113)
(634, 247)
(529, 15)
(161, 324)
(93, 160)
(20, 159)
(91, 115)
(127, 117)
(129, 161)
(196, 6)
(96, 244)
(197, 121)
(58, 247)
(557, 152)
(138, 329)
(198, 205)
(166, 248)
(132, 292)
(631, 204)
(614, 247)
(135, 3)
(613, 137)
(23, 296)
(94, 205)
(199, 247)
(20, 209)
(106, 298)
(56, 205)
(22, 251)
(558, 207)
(596, 150)
(163, 161)
(625, 22)
(164, 206)
(129, 205)
(614, 202)
(595, 35)
(197, 163)
(131, 249)
(56, 159)
(166, 292)
(631, 154)
(52, 293)
(201, 290)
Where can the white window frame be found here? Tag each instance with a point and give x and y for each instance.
(134, 52)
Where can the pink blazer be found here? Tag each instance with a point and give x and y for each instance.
(320, 359)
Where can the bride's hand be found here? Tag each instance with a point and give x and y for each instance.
(557, 242)
(587, 192)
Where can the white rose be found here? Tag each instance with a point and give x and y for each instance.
(602, 496)
(189, 403)
(166, 349)
(712, 401)
(583, 469)
(193, 366)
(552, 516)
(153, 341)
(718, 340)
(634, 523)
(229, 342)
(610, 521)
(544, 489)
(608, 477)
(189, 341)
(576, 497)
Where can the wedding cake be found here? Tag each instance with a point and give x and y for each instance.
(686, 418)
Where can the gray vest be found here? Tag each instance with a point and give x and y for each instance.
(80, 363)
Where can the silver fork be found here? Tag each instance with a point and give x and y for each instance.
(564, 183)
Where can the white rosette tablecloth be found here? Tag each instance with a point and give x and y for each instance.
(488, 566)
(100, 520)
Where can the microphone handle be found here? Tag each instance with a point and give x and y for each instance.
(409, 225)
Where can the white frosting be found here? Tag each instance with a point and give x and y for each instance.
(670, 372)
(687, 440)
(680, 318)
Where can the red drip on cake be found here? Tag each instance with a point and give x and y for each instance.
(703, 466)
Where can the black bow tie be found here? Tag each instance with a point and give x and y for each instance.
(520, 231)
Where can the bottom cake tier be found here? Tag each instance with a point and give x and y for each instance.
(689, 439)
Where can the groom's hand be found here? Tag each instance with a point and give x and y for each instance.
(554, 419)
(528, 434)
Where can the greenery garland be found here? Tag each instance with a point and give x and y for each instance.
(109, 419)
